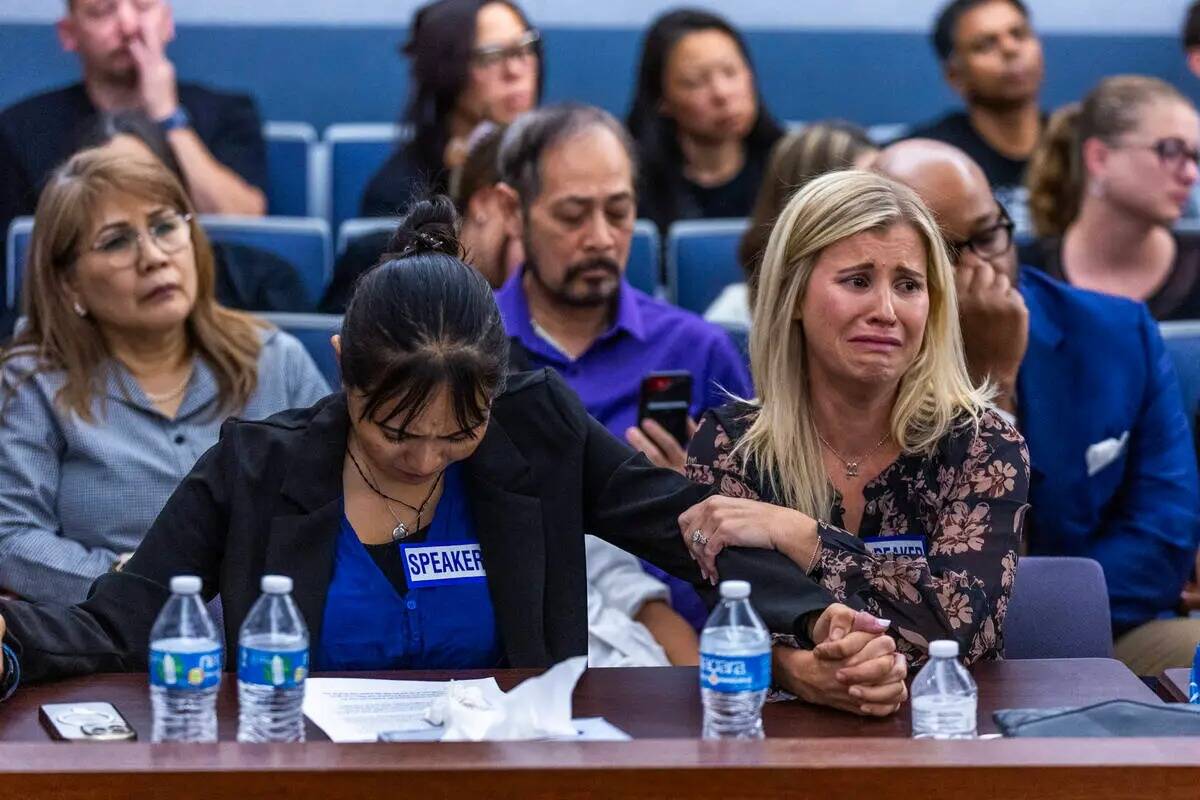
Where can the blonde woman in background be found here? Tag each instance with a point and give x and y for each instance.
(795, 160)
(868, 457)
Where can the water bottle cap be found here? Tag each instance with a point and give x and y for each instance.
(735, 590)
(185, 584)
(276, 584)
(944, 648)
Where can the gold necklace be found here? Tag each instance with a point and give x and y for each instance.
(851, 464)
(171, 395)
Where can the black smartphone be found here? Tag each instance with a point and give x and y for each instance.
(666, 398)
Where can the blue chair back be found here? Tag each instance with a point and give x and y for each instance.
(1058, 609)
(313, 331)
(740, 335)
(1182, 339)
(643, 267)
(15, 250)
(887, 133)
(702, 260)
(356, 152)
(304, 242)
(293, 185)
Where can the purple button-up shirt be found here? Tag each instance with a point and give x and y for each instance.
(646, 335)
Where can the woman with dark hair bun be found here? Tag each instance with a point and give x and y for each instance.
(432, 455)
(472, 61)
(702, 131)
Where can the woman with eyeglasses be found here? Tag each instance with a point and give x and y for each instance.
(1111, 177)
(122, 373)
(472, 61)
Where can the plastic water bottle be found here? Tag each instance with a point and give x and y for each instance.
(1194, 679)
(185, 667)
(944, 697)
(272, 666)
(735, 666)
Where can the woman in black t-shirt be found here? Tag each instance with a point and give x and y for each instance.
(702, 132)
(1111, 177)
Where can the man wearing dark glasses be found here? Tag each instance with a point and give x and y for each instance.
(1086, 379)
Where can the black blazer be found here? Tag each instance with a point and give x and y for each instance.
(267, 499)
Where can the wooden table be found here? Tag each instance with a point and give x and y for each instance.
(809, 751)
(1176, 682)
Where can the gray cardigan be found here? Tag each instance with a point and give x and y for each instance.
(75, 495)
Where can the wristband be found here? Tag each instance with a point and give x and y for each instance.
(179, 118)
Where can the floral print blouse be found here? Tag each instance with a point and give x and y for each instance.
(953, 518)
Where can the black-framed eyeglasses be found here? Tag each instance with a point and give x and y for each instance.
(1172, 151)
(991, 242)
(494, 56)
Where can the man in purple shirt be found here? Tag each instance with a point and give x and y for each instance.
(568, 175)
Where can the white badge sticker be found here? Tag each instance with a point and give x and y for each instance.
(911, 546)
(442, 564)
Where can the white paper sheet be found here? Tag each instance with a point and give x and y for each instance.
(359, 709)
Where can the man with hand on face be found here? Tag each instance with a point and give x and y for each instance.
(1087, 380)
(568, 175)
(992, 58)
(121, 44)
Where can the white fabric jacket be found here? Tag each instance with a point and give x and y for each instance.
(617, 589)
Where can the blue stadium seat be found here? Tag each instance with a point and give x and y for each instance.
(740, 335)
(1182, 338)
(352, 229)
(294, 179)
(15, 249)
(356, 151)
(304, 242)
(313, 331)
(887, 133)
(644, 253)
(1058, 609)
(702, 260)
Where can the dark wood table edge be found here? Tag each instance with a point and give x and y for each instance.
(1175, 682)
(643, 754)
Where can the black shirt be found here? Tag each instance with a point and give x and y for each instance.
(392, 188)
(256, 280)
(388, 558)
(361, 254)
(1006, 175)
(665, 195)
(1177, 298)
(39, 133)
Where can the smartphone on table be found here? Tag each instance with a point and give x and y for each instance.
(666, 398)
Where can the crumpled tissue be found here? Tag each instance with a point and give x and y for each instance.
(539, 708)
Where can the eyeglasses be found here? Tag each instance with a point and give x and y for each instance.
(990, 242)
(1171, 152)
(492, 57)
(121, 247)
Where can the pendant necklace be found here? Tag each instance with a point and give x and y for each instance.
(851, 464)
(401, 531)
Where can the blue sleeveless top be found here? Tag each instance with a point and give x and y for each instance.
(446, 619)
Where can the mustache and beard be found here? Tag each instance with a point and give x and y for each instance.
(576, 290)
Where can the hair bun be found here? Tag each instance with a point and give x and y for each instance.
(430, 226)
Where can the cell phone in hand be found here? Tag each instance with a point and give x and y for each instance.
(666, 398)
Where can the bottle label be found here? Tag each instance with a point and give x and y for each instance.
(199, 670)
(735, 673)
(283, 669)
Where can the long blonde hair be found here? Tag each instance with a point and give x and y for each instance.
(935, 393)
(59, 339)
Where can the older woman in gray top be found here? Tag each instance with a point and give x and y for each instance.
(123, 374)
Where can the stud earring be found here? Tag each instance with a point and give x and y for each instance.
(79, 310)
